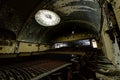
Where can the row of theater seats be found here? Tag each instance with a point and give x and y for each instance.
(27, 70)
(11, 55)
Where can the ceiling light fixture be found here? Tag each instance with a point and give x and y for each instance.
(47, 18)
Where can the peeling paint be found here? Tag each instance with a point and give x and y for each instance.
(62, 6)
(90, 0)
(69, 9)
(63, 2)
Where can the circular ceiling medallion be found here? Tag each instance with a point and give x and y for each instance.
(47, 18)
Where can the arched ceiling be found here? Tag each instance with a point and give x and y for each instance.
(80, 16)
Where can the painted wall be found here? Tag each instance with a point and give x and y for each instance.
(44, 47)
(107, 43)
(23, 47)
(27, 47)
(7, 48)
(116, 7)
(74, 37)
(31, 47)
(110, 49)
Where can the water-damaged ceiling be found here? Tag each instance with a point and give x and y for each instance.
(17, 19)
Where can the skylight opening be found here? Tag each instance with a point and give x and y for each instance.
(47, 18)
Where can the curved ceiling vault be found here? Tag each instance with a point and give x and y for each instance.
(78, 15)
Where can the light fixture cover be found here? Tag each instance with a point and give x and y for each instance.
(47, 18)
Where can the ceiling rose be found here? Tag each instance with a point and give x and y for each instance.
(47, 18)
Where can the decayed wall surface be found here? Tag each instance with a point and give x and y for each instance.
(9, 48)
(31, 47)
(27, 47)
(107, 43)
(23, 47)
(111, 47)
(116, 7)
